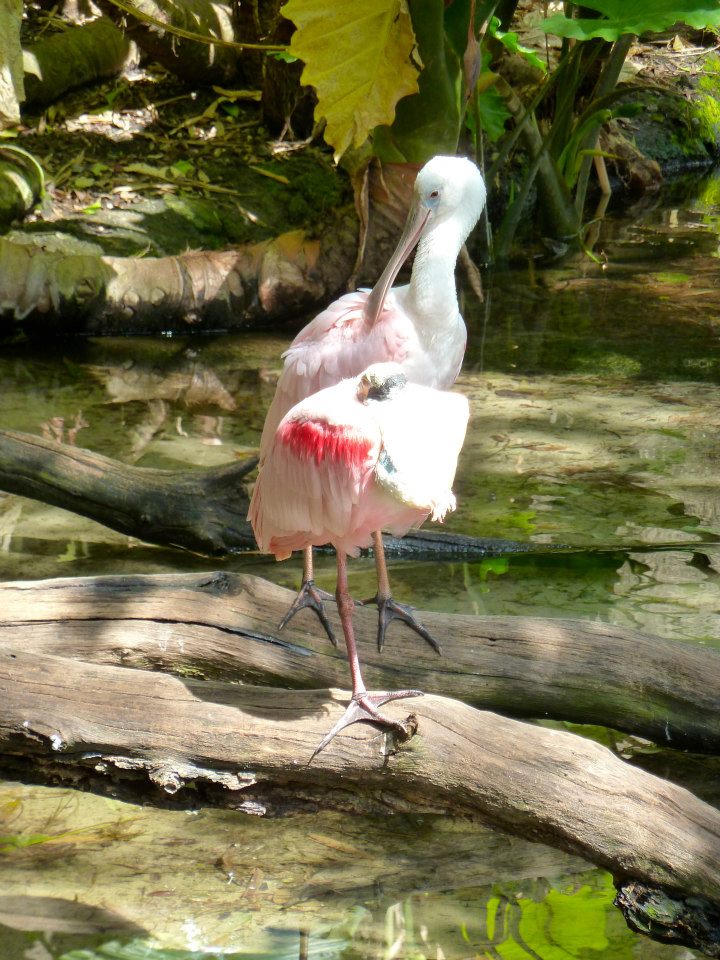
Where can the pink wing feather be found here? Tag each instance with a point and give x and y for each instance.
(314, 475)
(336, 345)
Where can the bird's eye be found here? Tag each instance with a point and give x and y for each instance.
(435, 194)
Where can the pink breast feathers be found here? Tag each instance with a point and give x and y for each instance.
(320, 440)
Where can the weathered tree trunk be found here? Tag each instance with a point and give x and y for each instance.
(249, 748)
(53, 292)
(224, 626)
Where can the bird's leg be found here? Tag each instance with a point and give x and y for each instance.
(310, 596)
(389, 609)
(364, 704)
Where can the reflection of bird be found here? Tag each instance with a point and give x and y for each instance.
(373, 452)
(417, 325)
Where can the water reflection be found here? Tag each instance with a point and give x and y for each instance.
(129, 883)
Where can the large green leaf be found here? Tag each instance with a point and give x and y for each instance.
(358, 58)
(429, 123)
(640, 16)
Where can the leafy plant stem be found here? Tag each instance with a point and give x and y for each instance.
(607, 81)
(133, 11)
(558, 207)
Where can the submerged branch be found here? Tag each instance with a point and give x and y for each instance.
(202, 510)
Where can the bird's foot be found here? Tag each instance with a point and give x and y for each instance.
(364, 706)
(389, 610)
(312, 597)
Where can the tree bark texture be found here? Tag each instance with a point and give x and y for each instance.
(59, 293)
(224, 626)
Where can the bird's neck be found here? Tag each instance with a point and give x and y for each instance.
(432, 296)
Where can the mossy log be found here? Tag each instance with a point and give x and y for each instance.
(224, 626)
(77, 56)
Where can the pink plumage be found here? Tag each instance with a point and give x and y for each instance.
(343, 464)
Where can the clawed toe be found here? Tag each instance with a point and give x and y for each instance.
(364, 706)
(311, 597)
(389, 610)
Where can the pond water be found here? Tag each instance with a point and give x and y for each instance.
(595, 428)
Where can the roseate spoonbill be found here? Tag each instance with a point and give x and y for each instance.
(417, 325)
(372, 452)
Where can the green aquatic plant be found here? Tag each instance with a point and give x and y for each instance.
(114, 830)
(618, 17)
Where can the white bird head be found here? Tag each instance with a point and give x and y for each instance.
(450, 188)
(448, 191)
(381, 381)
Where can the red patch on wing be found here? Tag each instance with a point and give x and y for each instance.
(319, 441)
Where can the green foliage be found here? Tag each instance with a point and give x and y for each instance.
(492, 114)
(314, 194)
(432, 121)
(619, 17)
(511, 41)
(358, 58)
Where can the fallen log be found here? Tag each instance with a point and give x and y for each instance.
(224, 626)
(200, 510)
(76, 56)
(248, 748)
